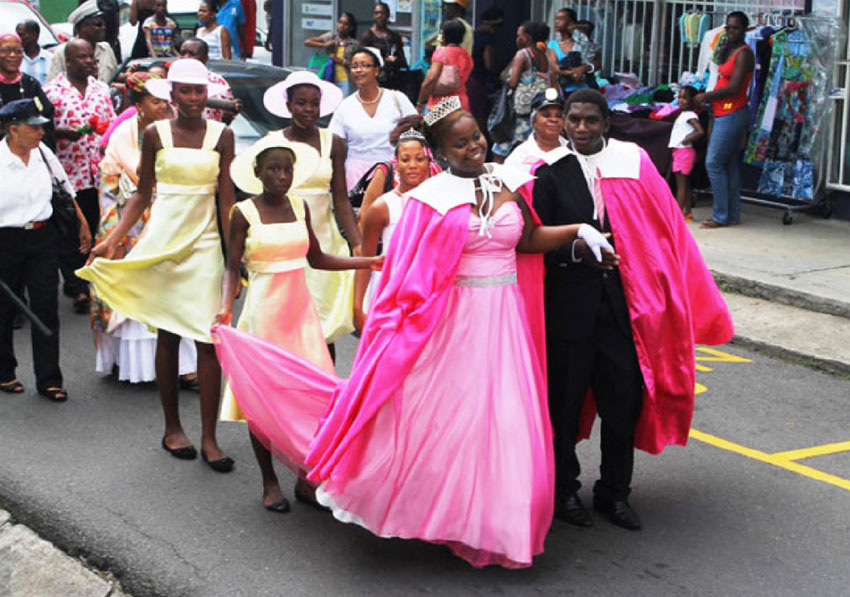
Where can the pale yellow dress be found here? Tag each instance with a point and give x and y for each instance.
(333, 292)
(171, 279)
(278, 306)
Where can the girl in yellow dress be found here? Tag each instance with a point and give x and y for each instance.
(305, 98)
(273, 232)
(170, 279)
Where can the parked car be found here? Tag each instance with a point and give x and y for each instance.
(13, 12)
(249, 81)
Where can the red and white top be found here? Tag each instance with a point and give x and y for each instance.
(217, 113)
(80, 158)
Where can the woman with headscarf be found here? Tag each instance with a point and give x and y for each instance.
(122, 343)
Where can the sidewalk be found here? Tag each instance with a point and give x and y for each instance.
(788, 287)
(33, 567)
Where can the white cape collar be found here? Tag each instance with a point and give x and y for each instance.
(619, 159)
(446, 191)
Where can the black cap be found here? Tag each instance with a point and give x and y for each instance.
(23, 111)
(549, 97)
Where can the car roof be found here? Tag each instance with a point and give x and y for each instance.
(10, 17)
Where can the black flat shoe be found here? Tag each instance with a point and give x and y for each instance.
(54, 394)
(281, 507)
(572, 511)
(12, 387)
(191, 385)
(182, 453)
(222, 465)
(618, 512)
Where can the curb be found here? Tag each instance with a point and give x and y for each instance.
(830, 366)
(779, 294)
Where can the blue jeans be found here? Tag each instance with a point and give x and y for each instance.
(723, 165)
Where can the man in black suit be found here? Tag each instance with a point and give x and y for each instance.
(589, 337)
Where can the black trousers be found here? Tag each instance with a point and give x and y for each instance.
(29, 259)
(70, 258)
(606, 363)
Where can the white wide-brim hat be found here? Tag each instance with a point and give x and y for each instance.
(275, 97)
(307, 161)
(184, 70)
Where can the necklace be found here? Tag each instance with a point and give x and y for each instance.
(374, 101)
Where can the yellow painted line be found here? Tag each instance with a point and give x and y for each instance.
(772, 459)
(814, 451)
(704, 368)
(718, 356)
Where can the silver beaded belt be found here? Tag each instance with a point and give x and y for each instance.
(503, 280)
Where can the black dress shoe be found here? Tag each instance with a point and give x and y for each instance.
(572, 511)
(281, 507)
(618, 512)
(183, 453)
(222, 465)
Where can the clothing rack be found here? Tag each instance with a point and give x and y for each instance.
(789, 204)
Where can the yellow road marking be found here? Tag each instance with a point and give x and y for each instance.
(814, 451)
(773, 459)
(704, 368)
(718, 356)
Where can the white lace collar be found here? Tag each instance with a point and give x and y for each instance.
(619, 159)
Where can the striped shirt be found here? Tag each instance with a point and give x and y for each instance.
(37, 67)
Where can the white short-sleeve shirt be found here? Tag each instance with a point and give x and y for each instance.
(368, 139)
(28, 187)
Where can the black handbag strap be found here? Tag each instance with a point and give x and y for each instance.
(49, 167)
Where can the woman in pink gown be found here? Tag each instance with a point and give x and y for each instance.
(442, 431)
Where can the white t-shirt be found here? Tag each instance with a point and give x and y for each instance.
(368, 139)
(528, 152)
(682, 128)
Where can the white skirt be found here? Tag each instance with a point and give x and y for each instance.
(132, 347)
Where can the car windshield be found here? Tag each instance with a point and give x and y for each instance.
(12, 13)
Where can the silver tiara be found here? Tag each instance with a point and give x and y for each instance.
(411, 134)
(441, 109)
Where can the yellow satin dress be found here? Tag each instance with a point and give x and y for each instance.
(171, 279)
(333, 292)
(278, 306)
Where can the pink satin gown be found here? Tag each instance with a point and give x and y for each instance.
(460, 455)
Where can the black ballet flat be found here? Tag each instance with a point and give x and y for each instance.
(281, 507)
(182, 453)
(222, 465)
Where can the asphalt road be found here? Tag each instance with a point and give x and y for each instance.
(723, 516)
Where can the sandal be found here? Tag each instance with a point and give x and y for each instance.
(12, 387)
(54, 394)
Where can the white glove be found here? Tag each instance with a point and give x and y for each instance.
(595, 241)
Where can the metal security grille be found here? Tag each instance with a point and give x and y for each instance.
(642, 37)
(838, 155)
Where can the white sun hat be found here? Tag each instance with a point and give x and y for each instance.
(275, 97)
(184, 70)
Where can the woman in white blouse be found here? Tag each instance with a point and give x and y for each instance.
(365, 118)
(216, 37)
(29, 244)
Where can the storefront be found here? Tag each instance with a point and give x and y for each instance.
(649, 40)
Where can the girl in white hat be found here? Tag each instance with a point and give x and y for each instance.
(272, 233)
(170, 280)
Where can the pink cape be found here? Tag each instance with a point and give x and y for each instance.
(673, 303)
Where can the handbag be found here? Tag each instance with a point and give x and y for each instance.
(502, 119)
(64, 213)
(448, 82)
(318, 62)
(358, 191)
(327, 72)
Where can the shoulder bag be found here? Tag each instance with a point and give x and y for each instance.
(64, 213)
